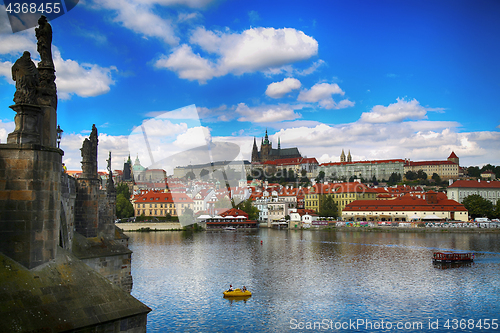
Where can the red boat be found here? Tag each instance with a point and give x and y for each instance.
(452, 257)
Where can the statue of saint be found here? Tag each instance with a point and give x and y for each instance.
(44, 44)
(93, 141)
(26, 75)
(86, 150)
(110, 186)
(109, 163)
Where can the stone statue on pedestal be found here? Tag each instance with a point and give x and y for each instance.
(47, 91)
(36, 94)
(44, 44)
(26, 75)
(89, 155)
(110, 186)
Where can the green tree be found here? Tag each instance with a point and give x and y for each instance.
(204, 172)
(187, 217)
(247, 207)
(123, 188)
(496, 213)
(474, 171)
(257, 173)
(478, 206)
(411, 175)
(190, 175)
(394, 178)
(421, 175)
(436, 178)
(123, 207)
(223, 203)
(321, 177)
(328, 207)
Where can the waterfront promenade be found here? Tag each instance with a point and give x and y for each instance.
(149, 225)
(172, 226)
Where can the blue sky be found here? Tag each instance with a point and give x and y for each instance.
(383, 79)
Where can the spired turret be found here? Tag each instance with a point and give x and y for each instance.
(255, 151)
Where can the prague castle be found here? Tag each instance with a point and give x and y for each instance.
(268, 153)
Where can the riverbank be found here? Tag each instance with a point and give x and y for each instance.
(140, 226)
(175, 226)
(413, 230)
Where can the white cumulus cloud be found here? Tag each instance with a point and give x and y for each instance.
(322, 93)
(266, 113)
(255, 49)
(188, 65)
(72, 78)
(141, 18)
(396, 112)
(85, 80)
(279, 89)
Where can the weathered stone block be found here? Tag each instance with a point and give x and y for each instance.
(21, 195)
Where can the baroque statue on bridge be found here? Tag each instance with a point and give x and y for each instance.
(44, 44)
(27, 78)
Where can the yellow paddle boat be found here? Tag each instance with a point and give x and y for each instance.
(237, 293)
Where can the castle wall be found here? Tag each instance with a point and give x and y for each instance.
(30, 202)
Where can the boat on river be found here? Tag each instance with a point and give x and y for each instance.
(237, 293)
(452, 257)
(230, 229)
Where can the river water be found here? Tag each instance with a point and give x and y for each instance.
(316, 281)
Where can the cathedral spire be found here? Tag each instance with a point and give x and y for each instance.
(255, 151)
(266, 139)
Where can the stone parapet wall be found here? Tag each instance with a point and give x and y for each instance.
(116, 269)
(68, 201)
(30, 202)
(107, 214)
(110, 258)
(87, 207)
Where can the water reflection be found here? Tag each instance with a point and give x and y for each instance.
(308, 276)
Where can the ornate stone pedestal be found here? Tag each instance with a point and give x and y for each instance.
(28, 124)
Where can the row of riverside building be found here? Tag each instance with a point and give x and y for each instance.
(355, 201)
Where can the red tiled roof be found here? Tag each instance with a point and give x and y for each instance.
(162, 197)
(410, 163)
(475, 184)
(352, 187)
(365, 162)
(407, 202)
(311, 160)
(305, 211)
(452, 155)
(233, 212)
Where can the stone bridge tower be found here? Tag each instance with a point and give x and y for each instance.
(30, 162)
(60, 277)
